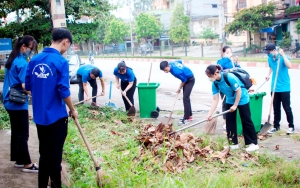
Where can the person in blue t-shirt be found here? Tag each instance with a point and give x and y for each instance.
(47, 78)
(236, 97)
(228, 61)
(187, 78)
(15, 73)
(89, 73)
(128, 82)
(283, 87)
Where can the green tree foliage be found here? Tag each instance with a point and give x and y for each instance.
(147, 26)
(141, 6)
(179, 31)
(298, 26)
(292, 9)
(38, 23)
(252, 19)
(115, 31)
(286, 40)
(207, 33)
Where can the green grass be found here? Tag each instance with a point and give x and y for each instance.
(241, 59)
(120, 153)
(4, 118)
(2, 73)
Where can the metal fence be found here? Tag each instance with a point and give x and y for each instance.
(205, 49)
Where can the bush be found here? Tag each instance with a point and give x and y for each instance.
(292, 9)
(1, 74)
(286, 40)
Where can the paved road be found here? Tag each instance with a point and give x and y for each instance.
(201, 95)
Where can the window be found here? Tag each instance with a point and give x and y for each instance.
(242, 4)
(214, 5)
(58, 2)
(225, 6)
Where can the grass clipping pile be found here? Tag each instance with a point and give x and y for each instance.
(180, 149)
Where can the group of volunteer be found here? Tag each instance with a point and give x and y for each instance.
(46, 79)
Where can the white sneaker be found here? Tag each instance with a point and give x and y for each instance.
(272, 130)
(224, 126)
(252, 147)
(290, 131)
(232, 147)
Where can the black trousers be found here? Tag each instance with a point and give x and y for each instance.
(223, 104)
(247, 124)
(93, 84)
(129, 93)
(284, 98)
(187, 90)
(52, 138)
(19, 136)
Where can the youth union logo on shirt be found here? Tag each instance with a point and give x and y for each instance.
(42, 71)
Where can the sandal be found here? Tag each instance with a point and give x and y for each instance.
(32, 169)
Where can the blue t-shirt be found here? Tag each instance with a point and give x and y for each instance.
(229, 91)
(180, 71)
(47, 78)
(283, 80)
(15, 76)
(127, 77)
(226, 63)
(85, 71)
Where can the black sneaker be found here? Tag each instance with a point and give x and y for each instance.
(33, 169)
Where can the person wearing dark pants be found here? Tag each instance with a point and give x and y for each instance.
(129, 93)
(128, 82)
(47, 78)
(187, 90)
(283, 86)
(248, 127)
(52, 138)
(237, 97)
(186, 76)
(89, 73)
(15, 72)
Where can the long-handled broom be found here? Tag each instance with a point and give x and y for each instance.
(86, 100)
(97, 166)
(176, 97)
(210, 126)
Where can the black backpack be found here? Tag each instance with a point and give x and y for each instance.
(241, 74)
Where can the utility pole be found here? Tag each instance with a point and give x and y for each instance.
(58, 13)
(221, 21)
(131, 38)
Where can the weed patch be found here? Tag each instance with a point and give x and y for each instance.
(4, 118)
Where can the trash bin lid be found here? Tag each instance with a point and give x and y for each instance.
(151, 85)
(257, 95)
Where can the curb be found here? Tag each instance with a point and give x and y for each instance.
(203, 62)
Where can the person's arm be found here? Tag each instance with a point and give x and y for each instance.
(269, 73)
(130, 84)
(85, 89)
(287, 62)
(180, 87)
(28, 92)
(214, 105)
(73, 112)
(237, 100)
(117, 81)
(103, 86)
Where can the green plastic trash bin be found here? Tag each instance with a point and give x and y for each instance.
(147, 100)
(256, 103)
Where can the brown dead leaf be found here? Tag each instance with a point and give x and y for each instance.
(277, 147)
(116, 133)
(222, 155)
(169, 166)
(30, 118)
(260, 137)
(152, 130)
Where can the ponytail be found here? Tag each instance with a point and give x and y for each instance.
(26, 40)
(212, 69)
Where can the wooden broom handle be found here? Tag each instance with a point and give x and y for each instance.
(173, 108)
(86, 100)
(150, 73)
(126, 98)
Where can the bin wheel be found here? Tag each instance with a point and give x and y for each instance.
(158, 109)
(154, 114)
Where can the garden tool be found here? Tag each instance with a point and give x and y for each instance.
(267, 125)
(176, 97)
(131, 111)
(109, 103)
(86, 100)
(99, 171)
(199, 122)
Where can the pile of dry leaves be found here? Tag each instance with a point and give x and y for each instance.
(181, 148)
